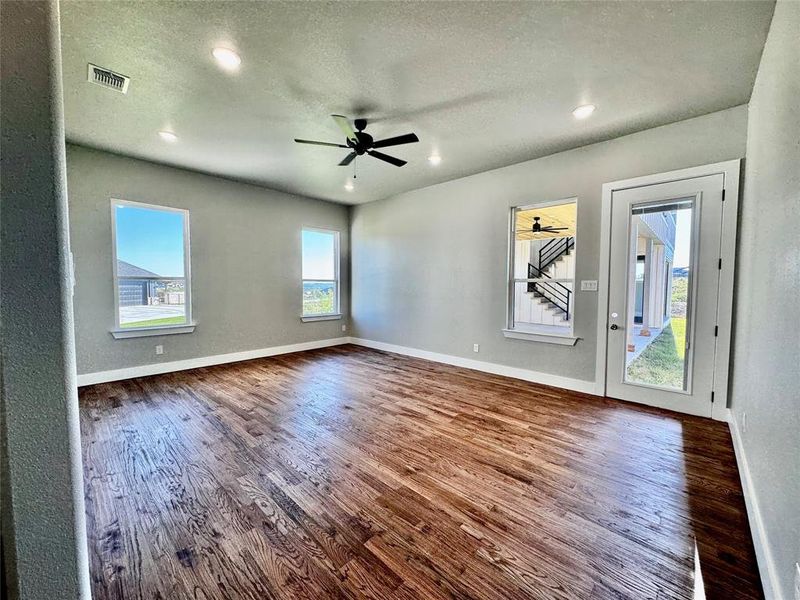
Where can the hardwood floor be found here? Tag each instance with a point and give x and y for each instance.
(353, 473)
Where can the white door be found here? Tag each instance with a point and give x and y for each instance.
(663, 287)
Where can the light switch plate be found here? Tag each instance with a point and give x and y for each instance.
(588, 285)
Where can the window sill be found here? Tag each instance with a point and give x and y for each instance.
(121, 334)
(547, 338)
(312, 318)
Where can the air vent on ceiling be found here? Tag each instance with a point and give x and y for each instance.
(108, 79)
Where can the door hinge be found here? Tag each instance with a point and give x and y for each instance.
(716, 330)
(719, 265)
(712, 397)
(723, 194)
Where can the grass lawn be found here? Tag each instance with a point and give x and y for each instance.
(661, 363)
(678, 325)
(179, 320)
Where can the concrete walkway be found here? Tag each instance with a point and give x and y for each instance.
(133, 314)
(641, 342)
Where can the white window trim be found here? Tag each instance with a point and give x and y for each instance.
(119, 332)
(336, 314)
(329, 317)
(547, 338)
(565, 339)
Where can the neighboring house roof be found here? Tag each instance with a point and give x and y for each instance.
(680, 272)
(125, 269)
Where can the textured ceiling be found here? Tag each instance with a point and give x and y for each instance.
(484, 84)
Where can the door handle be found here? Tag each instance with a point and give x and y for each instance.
(614, 327)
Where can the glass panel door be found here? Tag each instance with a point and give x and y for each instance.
(660, 243)
(663, 286)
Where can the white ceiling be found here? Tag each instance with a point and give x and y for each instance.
(485, 84)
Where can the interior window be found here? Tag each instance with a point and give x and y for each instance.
(542, 281)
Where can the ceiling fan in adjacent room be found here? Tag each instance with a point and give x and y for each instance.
(359, 142)
(537, 227)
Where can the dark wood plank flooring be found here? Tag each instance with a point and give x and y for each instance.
(353, 473)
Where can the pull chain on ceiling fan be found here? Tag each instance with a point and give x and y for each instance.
(360, 142)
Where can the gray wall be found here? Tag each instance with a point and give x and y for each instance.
(245, 253)
(766, 362)
(43, 518)
(429, 266)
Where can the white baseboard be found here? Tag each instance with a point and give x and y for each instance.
(766, 566)
(203, 361)
(577, 385)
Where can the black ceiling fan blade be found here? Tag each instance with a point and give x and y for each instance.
(408, 138)
(385, 157)
(320, 143)
(347, 159)
(344, 124)
(554, 228)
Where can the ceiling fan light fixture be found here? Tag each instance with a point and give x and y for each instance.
(584, 111)
(168, 136)
(434, 159)
(227, 58)
(349, 186)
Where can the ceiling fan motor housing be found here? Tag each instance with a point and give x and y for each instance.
(364, 141)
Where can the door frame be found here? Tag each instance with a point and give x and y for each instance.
(730, 170)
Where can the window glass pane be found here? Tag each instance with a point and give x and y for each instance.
(150, 239)
(543, 306)
(319, 297)
(544, 240)
(319, 254)
(658, 293)
(151, 288)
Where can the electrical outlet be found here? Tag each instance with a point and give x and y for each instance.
(476, 347)
(744, 422)
(344, 327)
(159, 349)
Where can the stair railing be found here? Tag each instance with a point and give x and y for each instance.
(554, 291)
(554, 249)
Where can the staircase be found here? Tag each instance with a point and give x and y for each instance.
(554, 297)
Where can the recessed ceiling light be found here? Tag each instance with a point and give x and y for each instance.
(168, 136)
(349, 186)
(227, 58)
(434, 159)
(584, 111)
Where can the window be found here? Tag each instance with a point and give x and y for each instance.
(151, 269)
(541, 286)
(320, 274)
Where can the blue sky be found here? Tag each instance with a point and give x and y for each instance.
(150, 239)
(318, 255)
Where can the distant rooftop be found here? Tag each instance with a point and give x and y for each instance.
(680, 272)
(125, 269)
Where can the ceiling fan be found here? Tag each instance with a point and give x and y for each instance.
(537, 227)
(359, 142)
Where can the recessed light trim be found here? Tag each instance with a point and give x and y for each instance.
(584, 111)
(226, 58)
(168, 136)
(434, 159)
